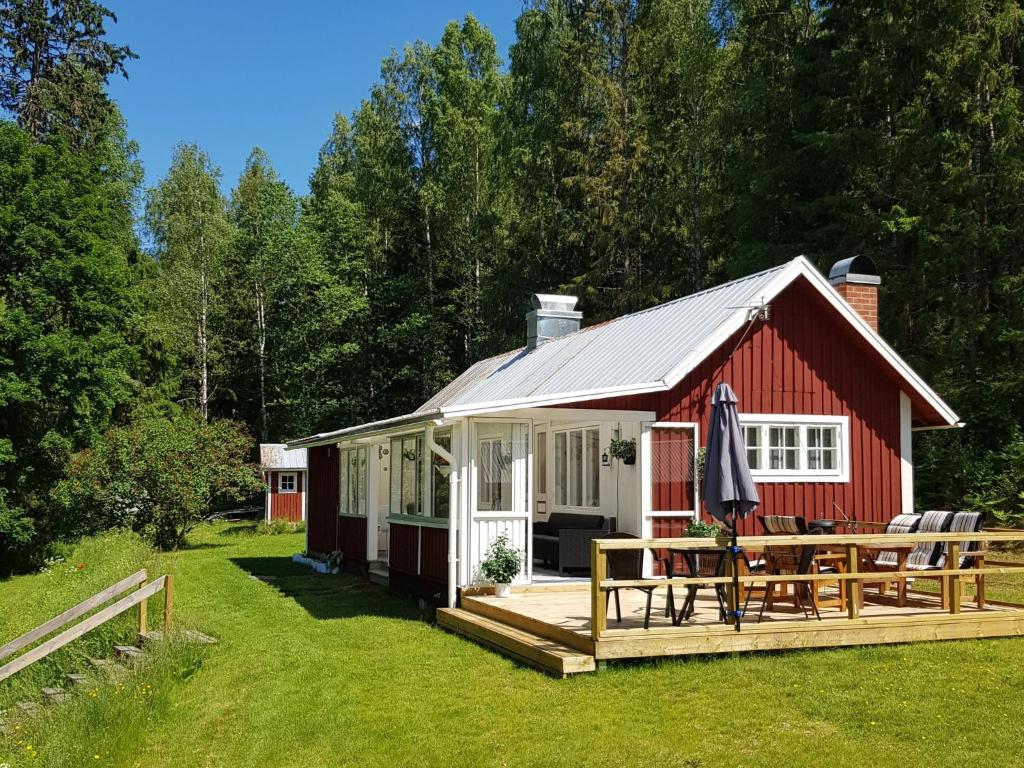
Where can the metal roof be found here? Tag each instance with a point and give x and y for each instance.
(647, 351)
(634, 351)
(280, 456)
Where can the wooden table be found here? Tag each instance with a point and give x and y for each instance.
(902, 553)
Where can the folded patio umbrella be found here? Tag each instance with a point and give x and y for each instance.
(729, 492)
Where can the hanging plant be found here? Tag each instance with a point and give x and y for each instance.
(623, 450)
(702, 460)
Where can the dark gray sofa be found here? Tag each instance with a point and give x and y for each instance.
(563, 540)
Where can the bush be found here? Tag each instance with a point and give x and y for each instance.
(502, 562)
(159, 476)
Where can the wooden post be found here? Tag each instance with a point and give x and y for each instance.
(143, 609)
(953, 585)
(979, 581)
(853, 587)
(168, 603)
(598, 596)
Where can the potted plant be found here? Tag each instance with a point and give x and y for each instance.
(501, 564)
(698, 529)
(624, 450)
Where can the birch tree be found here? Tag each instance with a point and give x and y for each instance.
(188, 220)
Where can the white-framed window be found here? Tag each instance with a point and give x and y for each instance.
(578, 467)
(286, 483)
(785, 448)
(406, 475)
(352, 481)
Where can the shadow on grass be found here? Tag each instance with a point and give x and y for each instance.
(326, 596)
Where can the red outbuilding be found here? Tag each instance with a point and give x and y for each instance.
(284, 472)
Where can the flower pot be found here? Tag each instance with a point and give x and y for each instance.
(502, 590)
(629, 461)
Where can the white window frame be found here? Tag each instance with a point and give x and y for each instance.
(841, 474)
(586, 491)
(295, 482)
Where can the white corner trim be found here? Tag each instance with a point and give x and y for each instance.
(906, 456)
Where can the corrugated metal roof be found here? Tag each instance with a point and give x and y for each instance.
(637, 350)
(280, 456)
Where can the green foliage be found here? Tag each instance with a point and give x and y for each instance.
(699, 529)
(69, 354)
(624, 450)
(54, 62)
(159, 476)
(502, 561)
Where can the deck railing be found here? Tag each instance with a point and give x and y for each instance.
(850, 545)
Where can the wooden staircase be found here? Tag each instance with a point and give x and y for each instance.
(550, 649)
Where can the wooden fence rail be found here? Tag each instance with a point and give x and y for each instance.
(853, 577)
(136, 598)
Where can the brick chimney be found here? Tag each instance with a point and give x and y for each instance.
(857, 281)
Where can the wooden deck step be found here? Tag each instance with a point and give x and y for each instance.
(379, 573)
(496, 608)
(540, 652)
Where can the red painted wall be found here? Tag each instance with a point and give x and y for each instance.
(352, 539)
(403, 554)
(804, 360)
(286, 506)
(322, 505)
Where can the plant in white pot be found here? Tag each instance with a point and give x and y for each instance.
(501, 564)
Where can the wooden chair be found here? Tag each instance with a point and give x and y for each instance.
(960, 522)
(627, 565)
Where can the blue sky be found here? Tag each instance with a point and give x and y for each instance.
(231, 75)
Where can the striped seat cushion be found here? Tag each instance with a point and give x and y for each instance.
(925, 554)
(966, 522)
(899, 524)
(782, 524)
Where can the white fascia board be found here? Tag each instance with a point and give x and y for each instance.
(397, 423)
(478, 409)
(569, 415)
(797, 267)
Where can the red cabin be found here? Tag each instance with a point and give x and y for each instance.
(590, 429)
(284, 472)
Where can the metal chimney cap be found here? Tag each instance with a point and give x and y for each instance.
(553, 302)
(855, 269)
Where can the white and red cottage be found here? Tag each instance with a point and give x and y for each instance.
(523, 440)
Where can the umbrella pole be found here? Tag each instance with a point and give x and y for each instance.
(737, 611)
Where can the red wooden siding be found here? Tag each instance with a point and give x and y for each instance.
(286, 506)
(804, 360)
(352, 539)
(403, 555)
(434, 554)
(322, 504)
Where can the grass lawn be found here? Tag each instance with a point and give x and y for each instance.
(330, 671)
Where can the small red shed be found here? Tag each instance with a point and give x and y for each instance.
(284, 472)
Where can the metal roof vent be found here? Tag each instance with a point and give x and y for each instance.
(552, 316)
(856, 269)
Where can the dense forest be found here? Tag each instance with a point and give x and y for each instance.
(627, 151)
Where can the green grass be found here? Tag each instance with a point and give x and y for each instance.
(319, 670)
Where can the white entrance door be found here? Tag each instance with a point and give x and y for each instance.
(500, 490)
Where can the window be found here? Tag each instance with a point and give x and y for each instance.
(578, 468)
(406, 486)
(784, 448)
(440, 492)
(788, 448)
(540, 480)
(352, 481)
(752, 439)
(494, 482)
(286, 482)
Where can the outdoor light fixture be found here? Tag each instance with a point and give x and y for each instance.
(605, 461)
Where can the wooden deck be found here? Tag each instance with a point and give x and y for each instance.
(549, 627)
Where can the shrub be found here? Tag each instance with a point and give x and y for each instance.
(158, 476)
